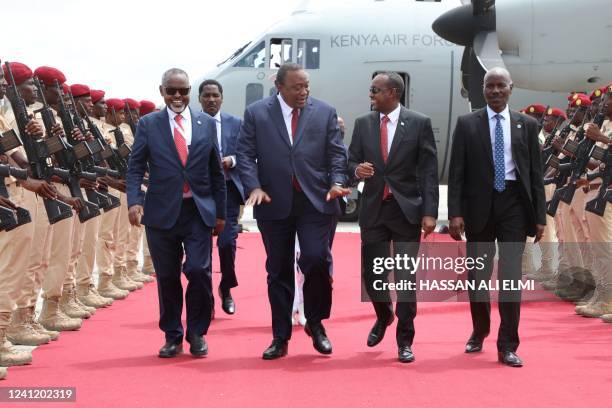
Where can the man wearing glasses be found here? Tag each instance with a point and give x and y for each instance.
(184, 203)
(393, 151)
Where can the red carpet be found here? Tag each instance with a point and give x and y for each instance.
(112, 360)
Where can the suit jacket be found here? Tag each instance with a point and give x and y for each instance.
(267, 159)
(411, 170)
(230, 129)
(154, 145)
(471, 172)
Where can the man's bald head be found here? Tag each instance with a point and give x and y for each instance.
(497, 88)
(498, 72)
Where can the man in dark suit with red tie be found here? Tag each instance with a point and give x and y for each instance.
(393, 150)
(184, 203)
(496, 192)
(293, 167)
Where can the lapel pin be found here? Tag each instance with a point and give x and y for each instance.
(402, 123)
(199, 123)
(519, 126)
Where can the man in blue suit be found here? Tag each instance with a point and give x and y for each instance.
(228, 126)
(185, 201)
(293, 168)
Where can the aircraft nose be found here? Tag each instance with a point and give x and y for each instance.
(460, 25)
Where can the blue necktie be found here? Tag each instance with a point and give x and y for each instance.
(498, 157)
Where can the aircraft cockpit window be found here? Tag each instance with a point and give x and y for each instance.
(280, 51)
(255, 58)
(308, 53)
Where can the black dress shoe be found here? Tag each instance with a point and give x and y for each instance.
(319, 339)
(474, 344)
(197, 346)
(277, 349)
(404, 354)
(378, 331)
(170, 350)
(227, 302)
(509, 358)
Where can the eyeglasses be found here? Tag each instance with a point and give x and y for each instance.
(374, 90)
(181, 91)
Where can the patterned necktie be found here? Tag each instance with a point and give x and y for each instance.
(295, 115)
(384, 149)
(181, 145)
(498, 157)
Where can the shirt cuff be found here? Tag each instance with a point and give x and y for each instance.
(233, 161)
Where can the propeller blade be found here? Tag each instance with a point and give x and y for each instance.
(486, 48)
(482, 6)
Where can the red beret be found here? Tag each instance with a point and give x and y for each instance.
(581, 100)
(96, 95)
(116, 103)
(48, 75)
(21, 72)
(573, 96)
(132, 103)
(535, 108)
(79, 90)
(556, 112)
(597, 93)
(146, 107)
(607, 88)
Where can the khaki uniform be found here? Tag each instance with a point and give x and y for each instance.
(600, 229)
(15, 247)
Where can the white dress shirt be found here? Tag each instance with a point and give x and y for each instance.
(186, 132)
(287, 115)
(186, 122)
(509, 166)
(391, 125)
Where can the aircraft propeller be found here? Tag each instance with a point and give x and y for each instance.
(473, 25)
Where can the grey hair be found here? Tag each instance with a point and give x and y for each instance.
(499, 71)
(173, 71)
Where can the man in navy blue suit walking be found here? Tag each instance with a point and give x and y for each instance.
(293, 164)
(228, 127)
(184, 203)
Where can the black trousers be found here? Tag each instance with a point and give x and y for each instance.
(391, 230)
(226, 242)
(189, 236)
(313, 229)
(506, 224)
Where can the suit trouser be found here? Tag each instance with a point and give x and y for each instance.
(312, 228)
(226, 242)
(105, 247)
(60, 252)
(86, 262)
(121, 231)
(391, 226)
(600, 246)
(15, 251)
(508, 225)
(192, 236)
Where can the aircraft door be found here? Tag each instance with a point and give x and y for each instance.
(405, 99)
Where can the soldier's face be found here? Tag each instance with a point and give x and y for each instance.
(51, 95)
(3, 86)
(87, 105)
(549, 123)
(211, 99)
(497, 91)
(28, 91)
(100, 108)
(295, 88)
(176, 92)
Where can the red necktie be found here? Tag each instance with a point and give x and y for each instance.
(181, 145)
(295, 114)
(384, 148)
